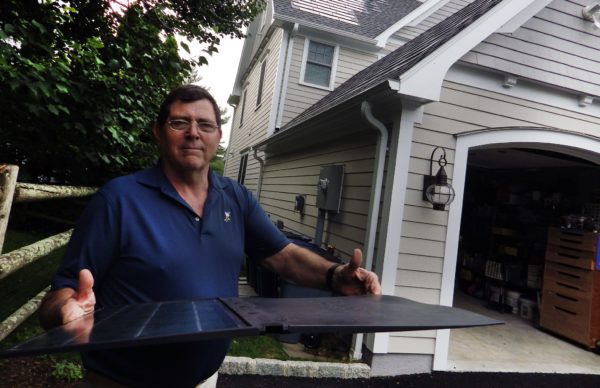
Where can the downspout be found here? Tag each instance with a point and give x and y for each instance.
(260, 171)
(284, 78)
(373, 217)
(380, 152)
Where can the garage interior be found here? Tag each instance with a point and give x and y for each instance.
(529, 256)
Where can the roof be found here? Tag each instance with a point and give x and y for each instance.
(393, 65)
(367, 18)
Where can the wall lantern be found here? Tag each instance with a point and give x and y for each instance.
(592, 13)
(436, 189)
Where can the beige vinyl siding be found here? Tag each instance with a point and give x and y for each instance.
(556, 46)
(420, 345)
(299, 97)
(461, 109)
(297, 174)
(256, 118)
(231, 161)
(410, 32)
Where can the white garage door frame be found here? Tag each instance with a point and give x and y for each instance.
(571, 143)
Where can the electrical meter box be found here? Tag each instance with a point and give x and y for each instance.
(329, 188)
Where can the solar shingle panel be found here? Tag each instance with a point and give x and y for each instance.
(203, 319)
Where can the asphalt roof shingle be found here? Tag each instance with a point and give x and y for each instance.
(367, 18)
(393, 65)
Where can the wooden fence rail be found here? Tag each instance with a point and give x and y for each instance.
(12, 261)
(19, 316)
(11, 192)
(29, 192)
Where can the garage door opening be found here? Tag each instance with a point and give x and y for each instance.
(514, 198)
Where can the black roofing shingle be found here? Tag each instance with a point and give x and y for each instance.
(367, 18)
(393, 65)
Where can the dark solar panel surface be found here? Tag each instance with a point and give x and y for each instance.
(182, 321)
(366, 313)
(140, 324)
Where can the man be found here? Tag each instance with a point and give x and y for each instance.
(177, 231)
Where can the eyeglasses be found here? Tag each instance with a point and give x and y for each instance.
(185, 125)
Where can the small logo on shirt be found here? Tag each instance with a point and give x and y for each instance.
(227, 216)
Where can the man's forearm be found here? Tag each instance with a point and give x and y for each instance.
(306, 268)
(300, 265)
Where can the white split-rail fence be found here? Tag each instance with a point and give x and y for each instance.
(11, 192)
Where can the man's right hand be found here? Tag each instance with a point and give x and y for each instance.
(82, 301)
(66, 304)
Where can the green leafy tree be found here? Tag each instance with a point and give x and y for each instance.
(81, 80)
(218, 162)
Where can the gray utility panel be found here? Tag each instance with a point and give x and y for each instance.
(329, 188)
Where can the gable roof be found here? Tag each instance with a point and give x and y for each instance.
(367, 18)
(393, 65)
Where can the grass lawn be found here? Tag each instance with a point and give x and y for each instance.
(262, 346)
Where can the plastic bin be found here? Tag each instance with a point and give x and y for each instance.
(288, 289)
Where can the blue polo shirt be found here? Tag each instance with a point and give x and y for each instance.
(143, 243)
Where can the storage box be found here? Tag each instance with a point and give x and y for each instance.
(512, 300)
(527, 308)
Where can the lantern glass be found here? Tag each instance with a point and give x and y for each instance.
(440, 194)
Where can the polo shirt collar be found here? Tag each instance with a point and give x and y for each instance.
(155, 177)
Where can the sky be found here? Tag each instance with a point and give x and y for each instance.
(220, 73)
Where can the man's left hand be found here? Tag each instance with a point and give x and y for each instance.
(351, 279)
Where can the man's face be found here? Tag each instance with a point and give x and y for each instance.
(185, 151)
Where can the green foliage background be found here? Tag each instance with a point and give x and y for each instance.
(81, 81)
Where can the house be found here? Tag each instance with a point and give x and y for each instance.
(384, 89)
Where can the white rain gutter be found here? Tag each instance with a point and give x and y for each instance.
(376, 184)
(261, 161)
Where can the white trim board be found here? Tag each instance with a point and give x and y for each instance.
(568, 142)
(415, 17)
(527, 90)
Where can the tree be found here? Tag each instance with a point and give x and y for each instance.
(218, 162)
(81, 80)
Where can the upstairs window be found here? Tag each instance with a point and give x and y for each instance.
(243, 108)
(242, 170)
(261, 81)
(319, 64)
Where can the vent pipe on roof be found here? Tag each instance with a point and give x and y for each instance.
(374, 203)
